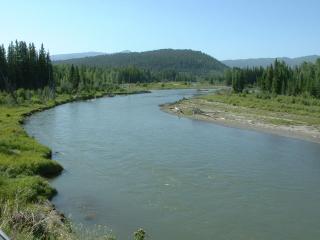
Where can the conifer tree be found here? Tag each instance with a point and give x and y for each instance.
(42, 69)
(3, 68)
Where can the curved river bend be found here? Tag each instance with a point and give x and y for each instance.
(130, 165)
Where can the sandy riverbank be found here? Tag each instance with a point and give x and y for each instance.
(241, 117)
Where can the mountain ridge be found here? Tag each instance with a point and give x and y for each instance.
(180, 60)
(67, 56)
(264, 62)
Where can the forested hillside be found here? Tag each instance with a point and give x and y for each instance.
(181, 61)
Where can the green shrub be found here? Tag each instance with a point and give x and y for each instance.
(140, 234)
(26, 189)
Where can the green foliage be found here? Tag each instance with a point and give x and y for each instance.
(25, 188)
(71, 79)
(20, 154)
(140, 234)
(24, 67)
(74, 80)
(133, 75)
(240, 78)
(278, 78)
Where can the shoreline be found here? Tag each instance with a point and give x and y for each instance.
(48, 155)
(75, 99)
(305, 133)
(45, 167)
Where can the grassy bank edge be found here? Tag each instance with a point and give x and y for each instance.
(29, 189)
(278, 119)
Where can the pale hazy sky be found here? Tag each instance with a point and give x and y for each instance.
(225, 29)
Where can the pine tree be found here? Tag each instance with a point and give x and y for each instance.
(23, 54)
(42, 69)
(76, 78)
(51, 81)
(11, 68)
(3, 68)
(72, 77)
(33, 66)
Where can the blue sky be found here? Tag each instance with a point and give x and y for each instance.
(224, 29)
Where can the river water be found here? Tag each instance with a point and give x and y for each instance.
(130, 165)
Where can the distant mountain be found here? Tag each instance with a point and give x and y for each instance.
(59, 57)
(257, 62)
(125, 51)
(186, 61)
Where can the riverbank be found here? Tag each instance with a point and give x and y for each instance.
(25, 166)
(295, 117)
(173, 85)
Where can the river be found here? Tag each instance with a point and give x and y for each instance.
(130, 165)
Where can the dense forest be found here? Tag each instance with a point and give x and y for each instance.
(278, 78)
(22, 66)
(179, 61)
(72, 78)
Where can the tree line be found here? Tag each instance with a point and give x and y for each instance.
(23, 66)
(240, 78)
(73, 78)
(278, 78)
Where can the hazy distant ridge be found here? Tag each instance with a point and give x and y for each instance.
(59, 57)
(257, 62)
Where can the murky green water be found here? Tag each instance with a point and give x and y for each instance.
(129, 165)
